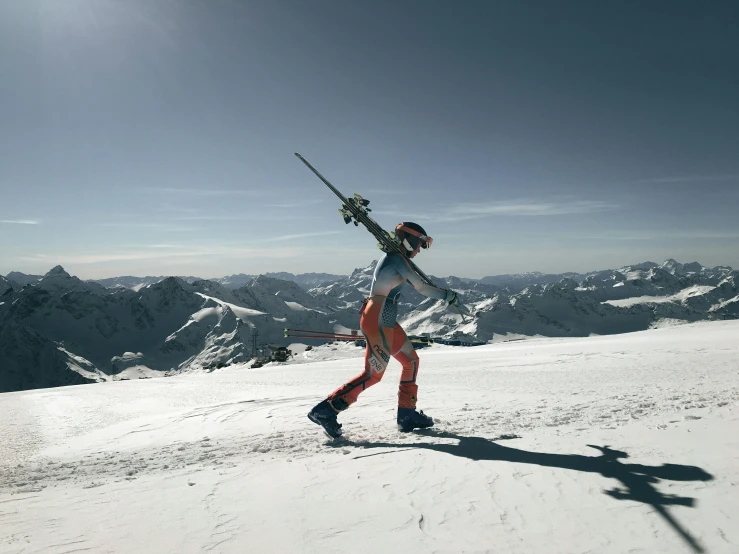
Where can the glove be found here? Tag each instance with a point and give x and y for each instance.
(452, 298)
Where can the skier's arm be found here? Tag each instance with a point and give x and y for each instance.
(407, 272)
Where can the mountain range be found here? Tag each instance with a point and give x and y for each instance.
(56, 329)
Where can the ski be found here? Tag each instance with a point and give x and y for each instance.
(355, 210)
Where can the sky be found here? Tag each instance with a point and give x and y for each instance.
(144, 137)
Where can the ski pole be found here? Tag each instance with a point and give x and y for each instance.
(347, 339)
(352, 333)
(327, 335)
(306, 331)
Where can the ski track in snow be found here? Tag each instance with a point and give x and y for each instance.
(228, 462)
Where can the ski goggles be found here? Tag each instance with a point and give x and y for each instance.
(426, 241)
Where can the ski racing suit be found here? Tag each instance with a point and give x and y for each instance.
(384, 336)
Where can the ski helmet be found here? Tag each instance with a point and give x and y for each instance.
(412, 237)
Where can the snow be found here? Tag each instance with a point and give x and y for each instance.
(173, 336)
(627, 443)
(138, 371)
(183, 325)
(82, 366)
(679, 297)
(668, 322)
(206, 312)
(633, 274)
(346, 350)
(510, 337)
(724, 304)
(242, 313)
(297, 307)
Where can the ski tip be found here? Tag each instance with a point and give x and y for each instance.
(298, 154)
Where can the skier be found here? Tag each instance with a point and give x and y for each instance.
(385, 337)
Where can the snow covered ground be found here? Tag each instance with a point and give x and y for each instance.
(689, 292)
(619, 443)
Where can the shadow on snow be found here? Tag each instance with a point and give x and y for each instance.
(638, 481)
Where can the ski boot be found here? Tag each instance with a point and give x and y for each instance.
(409, 419)
(324, 414)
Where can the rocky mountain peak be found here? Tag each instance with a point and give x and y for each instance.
(170, 283)
(58, 271)
(5, 285)
(58, 281)
(21, 278)
(363, 271)
(671, 265)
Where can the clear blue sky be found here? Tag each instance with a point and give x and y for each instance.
(157, 136)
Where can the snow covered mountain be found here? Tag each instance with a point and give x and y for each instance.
(29, 360)
(235, 281)
(304, 280)
(172, 325)
(518, 281)
(348, 292)
(96, 333)
(6, 285)
(129, 282)
(22, 278)
(614, 301)
(627, 299)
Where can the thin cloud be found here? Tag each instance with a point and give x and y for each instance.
(168, 208)
(148, 225)
(394, 192)
(405, 216)
(196, 254)
(513, 208)
(297, 204)
(201, 192)
(688, 179)
(20, 221)
(301, 236)
(207, 217)
(66, 259)
(660, 235)
(525, 208)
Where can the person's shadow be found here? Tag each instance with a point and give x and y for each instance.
(638, 480)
